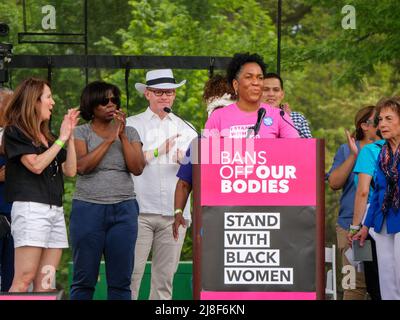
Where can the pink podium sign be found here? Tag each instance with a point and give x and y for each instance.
(257, 172)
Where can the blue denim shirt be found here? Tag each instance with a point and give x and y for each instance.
(346, 209)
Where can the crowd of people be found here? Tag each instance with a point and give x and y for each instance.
(132, 195)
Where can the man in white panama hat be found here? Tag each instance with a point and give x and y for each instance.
(165, 138)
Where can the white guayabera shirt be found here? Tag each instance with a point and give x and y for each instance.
(155, 187)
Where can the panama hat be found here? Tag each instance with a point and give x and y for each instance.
(159, 79)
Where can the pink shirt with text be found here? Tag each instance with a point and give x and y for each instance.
(231, 122)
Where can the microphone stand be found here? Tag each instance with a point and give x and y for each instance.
(168, 110)
(282, 113)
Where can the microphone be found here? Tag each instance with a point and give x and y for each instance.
(282, 113)
(256, 128)
(260, 115)
(168, 110)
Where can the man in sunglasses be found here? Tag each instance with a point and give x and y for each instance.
(165, 137)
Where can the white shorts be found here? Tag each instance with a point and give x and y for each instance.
(37, 225)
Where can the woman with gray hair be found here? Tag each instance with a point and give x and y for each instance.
(383, 213)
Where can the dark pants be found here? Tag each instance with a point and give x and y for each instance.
(97, 229)
(6, 262)
(371, 274)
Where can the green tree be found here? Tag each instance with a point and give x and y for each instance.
(320, 37)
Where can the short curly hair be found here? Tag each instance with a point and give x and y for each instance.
(216, 87)
(237, 62)
(389, 102)
(93, 94)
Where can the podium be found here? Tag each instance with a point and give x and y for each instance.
(258, 219)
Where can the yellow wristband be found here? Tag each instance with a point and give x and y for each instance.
(60, 143)
(155, 153)
(353, 231)
(178, 211)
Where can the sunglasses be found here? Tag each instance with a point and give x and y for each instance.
(114, 100)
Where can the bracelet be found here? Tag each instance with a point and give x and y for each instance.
(155, 153)
(178, 211)
(355, 228)
(60, 143)
(353, 232)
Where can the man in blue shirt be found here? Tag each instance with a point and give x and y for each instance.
(182, 192)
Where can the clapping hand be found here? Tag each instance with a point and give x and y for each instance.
(73, 115)
(178, 156)
(120, 120)
(167, 145)
(352, 143)
(69, 123)
(117, 128)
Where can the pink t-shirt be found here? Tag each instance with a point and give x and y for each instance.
(231, 122)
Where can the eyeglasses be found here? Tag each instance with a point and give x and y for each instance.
(114, 100)
(369, 121)
(159, 93)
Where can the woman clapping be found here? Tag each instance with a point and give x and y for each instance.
(104, 213)
(36, 162)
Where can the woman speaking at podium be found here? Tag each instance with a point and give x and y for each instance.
(248, 117)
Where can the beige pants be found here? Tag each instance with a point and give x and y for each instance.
(155, 232)
(360, 292)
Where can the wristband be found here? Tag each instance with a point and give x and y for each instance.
(353, 232)
(60, 143)
(355, 228)
(178, 211)
(155, 153)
